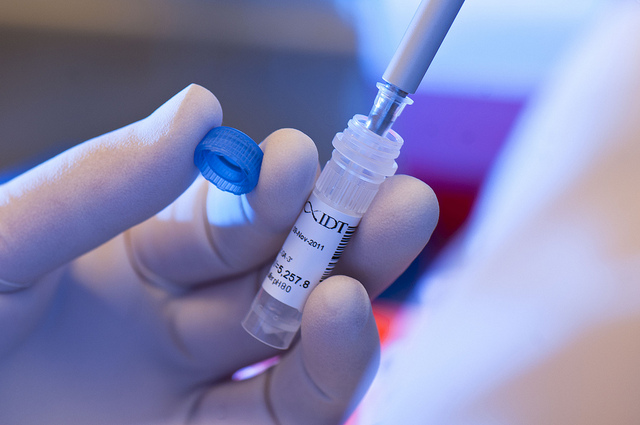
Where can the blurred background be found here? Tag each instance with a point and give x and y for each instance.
(73, 69)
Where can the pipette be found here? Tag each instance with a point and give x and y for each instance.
(364, 156)
(411, 60)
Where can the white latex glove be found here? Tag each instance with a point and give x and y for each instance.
(534, 318)
(104, 325)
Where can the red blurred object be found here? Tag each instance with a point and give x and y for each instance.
(384, 313)
(451, 143)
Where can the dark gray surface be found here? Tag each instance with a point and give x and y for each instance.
(60, 89)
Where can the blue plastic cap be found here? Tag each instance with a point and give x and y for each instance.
(229, 159)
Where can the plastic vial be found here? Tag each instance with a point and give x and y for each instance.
(344, 190)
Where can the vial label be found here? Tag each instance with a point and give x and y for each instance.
(310, 252)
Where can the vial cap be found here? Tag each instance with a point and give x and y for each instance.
(229, 159)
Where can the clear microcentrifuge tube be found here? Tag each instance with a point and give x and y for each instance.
(360, 162)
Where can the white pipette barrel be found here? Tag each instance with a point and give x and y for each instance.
(420, 43)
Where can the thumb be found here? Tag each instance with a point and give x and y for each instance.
(325, 376)
(87, 195)
(320, 381)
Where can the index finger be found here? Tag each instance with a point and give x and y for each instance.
(87, 195)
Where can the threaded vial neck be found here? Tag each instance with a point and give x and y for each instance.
(374, 153)
(360, 162)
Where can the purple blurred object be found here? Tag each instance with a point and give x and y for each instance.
(451, 143)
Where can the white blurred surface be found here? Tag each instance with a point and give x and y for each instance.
(495, 47)
(533, 318)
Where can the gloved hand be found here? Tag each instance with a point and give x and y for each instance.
(117, 310)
